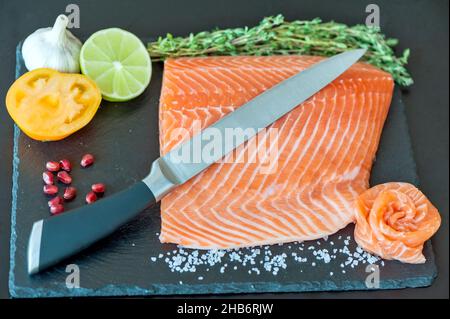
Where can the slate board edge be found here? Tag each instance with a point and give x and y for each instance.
(198, 289)
(170, 289)
(15, 180)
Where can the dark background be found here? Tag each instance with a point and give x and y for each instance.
(420, 25)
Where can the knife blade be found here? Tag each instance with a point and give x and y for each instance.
(59, 237)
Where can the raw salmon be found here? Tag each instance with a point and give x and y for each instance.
(325, 148)
(393, 220)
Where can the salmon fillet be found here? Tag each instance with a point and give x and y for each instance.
(394, 220)
(325, 149)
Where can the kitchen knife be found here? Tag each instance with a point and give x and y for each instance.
(56, 238)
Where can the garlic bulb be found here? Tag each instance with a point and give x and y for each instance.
(55, 48)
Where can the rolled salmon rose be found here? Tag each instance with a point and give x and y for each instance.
(394, 220)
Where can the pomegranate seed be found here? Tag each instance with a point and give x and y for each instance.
(56, 209)
(65, 165)
(87, 160)
(48, 178)
(70, 193)
(98, 188)
(91, 197)
(50, 189)
(52, 166)
(55, 201)
(64, 177)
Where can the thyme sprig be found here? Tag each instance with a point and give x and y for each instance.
(275, 36)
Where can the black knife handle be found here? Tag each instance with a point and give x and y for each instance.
(68, 233)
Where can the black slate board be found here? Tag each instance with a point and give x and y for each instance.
(124, 139)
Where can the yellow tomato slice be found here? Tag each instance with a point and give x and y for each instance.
(48, 105)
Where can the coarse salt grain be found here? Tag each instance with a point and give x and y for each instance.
(266, 258)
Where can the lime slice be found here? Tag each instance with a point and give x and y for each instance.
(118, 62)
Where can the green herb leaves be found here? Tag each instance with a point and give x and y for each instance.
(275, 36)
